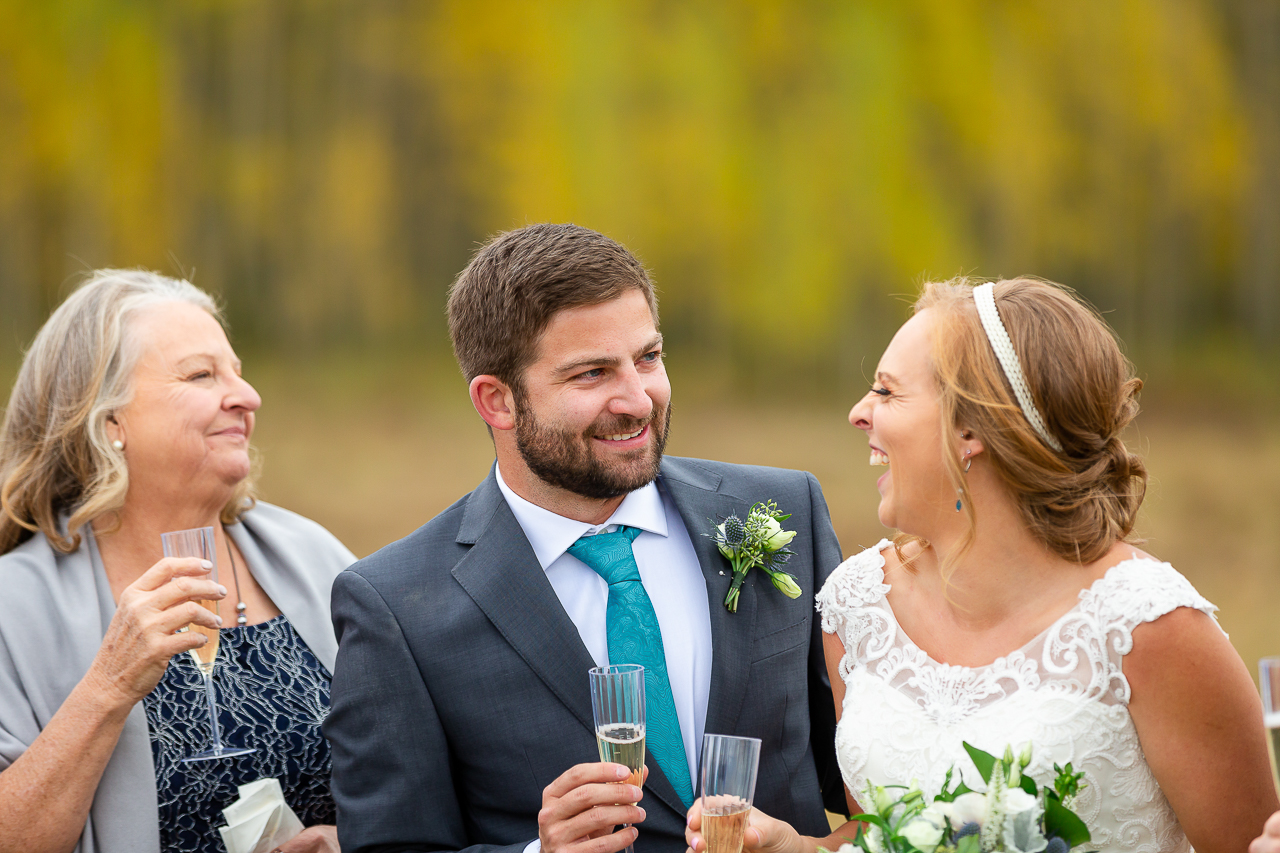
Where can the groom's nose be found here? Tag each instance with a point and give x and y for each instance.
(633, 395)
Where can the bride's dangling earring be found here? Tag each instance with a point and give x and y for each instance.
(968, 463)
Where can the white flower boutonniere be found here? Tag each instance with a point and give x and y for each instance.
(756, 542)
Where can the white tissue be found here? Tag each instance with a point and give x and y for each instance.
(260, 820)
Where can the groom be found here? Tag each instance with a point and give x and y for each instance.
(461, 713)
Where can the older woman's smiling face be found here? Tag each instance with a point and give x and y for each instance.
(186, 430)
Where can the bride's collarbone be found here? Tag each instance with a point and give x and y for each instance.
(953, 625)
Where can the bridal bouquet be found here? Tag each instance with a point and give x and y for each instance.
(1013, 815)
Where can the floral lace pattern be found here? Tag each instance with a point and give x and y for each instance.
(272, 695)
(905, 715)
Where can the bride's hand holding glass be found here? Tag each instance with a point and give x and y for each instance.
(764, 834)
(144, 633)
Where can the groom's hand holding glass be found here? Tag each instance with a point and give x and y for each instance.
(582, 804)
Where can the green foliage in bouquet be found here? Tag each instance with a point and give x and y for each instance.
(1014, 814)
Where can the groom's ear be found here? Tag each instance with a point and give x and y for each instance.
(493, 401)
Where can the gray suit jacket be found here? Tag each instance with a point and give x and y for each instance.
(460, 690)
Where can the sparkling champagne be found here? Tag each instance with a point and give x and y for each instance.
(724, 820)
(623, 743)
(205, 655)
(1272, 722)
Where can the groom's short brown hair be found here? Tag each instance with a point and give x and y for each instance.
(500, 305)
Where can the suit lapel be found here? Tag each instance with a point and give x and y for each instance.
(695, 491)
(503, 577)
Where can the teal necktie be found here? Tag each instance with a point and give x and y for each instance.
(634, 637)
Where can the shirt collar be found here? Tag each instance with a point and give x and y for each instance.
(551, 534)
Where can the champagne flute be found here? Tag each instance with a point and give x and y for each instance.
(728, 779)
(617, 704)
(199, 542)
(1269, 684)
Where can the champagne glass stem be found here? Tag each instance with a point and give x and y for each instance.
(213, 711)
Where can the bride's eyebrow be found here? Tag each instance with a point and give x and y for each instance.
(886, 378)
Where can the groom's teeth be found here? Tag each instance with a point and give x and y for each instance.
(623, 437)
(878, 458)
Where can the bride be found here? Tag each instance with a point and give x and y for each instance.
(1011, 609)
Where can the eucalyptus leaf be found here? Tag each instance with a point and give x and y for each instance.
(1062, 822)
(984, 761)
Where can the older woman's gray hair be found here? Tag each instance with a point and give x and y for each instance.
(55, 455)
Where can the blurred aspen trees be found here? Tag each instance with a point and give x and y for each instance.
(781, 166)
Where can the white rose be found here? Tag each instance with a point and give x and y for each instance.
(966, 808)
(775, 537)
(923, 833)
(934, 814)
(1016, 801)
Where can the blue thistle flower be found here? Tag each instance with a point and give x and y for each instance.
(970, 828)
(1056, 845)
(735, 532)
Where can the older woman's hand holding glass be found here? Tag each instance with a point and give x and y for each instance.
(130, 419)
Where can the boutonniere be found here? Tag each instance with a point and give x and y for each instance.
(758, 541)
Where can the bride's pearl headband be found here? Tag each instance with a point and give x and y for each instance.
(985, 298)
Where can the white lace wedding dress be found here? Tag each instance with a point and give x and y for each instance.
(906, 716)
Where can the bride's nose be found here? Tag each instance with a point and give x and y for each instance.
(860, 414)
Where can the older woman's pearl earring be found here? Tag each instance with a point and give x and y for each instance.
(118, 444)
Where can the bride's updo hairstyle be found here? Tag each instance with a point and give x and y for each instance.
(1082, 499)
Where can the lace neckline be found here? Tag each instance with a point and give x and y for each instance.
(1027, 647)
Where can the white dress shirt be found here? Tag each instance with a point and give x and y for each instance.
(671, 576)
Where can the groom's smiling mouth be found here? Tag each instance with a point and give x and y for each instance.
(624, 437)
(621, 436)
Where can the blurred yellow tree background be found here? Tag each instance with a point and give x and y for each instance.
(788, 169)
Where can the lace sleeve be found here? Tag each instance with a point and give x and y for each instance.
(1137, 591)
(1132, 593)
(857, 583)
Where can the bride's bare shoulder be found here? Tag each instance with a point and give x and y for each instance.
(904, 557)
(1120, 552)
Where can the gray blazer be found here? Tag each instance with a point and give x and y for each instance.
(54, 611)
(461, 683)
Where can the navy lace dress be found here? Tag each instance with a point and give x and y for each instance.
(272, 695)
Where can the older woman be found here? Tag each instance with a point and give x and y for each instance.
(130, 418)
(1012, 610)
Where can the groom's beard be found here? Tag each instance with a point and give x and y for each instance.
(569, 460)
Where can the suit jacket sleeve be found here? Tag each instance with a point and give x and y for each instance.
(822, 712)
(391, 762)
